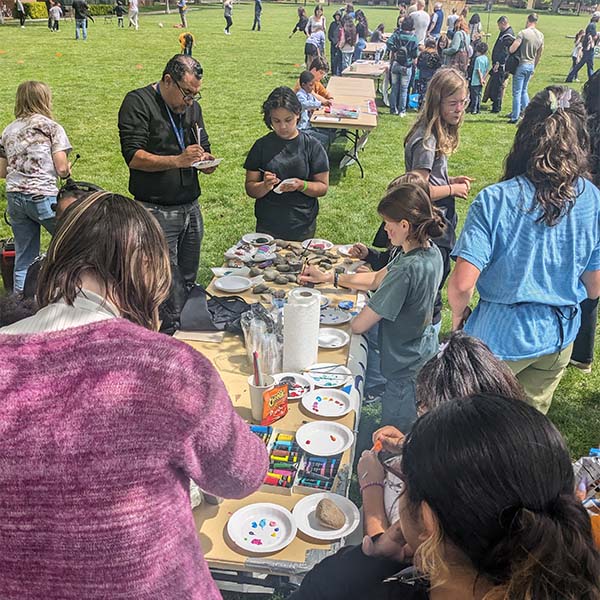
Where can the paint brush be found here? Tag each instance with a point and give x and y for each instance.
(256, 371)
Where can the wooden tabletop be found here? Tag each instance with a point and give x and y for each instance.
(366, 68)
(230, 359)
(373, 47)
(351, 86)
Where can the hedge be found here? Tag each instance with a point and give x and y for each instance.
(37, 10)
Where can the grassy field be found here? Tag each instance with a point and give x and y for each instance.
(89, 81)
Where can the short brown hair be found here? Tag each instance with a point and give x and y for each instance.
(33, 98)
(121, 244)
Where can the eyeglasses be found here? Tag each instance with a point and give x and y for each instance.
(188, 97)
(457, 103)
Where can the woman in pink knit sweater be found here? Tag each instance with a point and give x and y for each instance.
(103, 422)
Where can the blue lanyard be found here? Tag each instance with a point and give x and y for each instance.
(178, 131)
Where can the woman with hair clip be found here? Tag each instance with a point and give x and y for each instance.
(531, 245)
(583, 347)
(488, 512)
(104, 422)
(403, 302)
(34, 152)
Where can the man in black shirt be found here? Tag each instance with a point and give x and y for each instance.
(162, 136)
(499, 55)
(590, 39)
(81, 13)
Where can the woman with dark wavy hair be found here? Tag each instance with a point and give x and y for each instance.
(531, 245)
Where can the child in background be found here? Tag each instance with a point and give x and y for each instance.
(302, 22)
(227, 14)
(55, 15)
(442, 43)
(314, 47)
(120, 11)
(377, 37)
(577, 48)
(403, 302)
(310, 103)
(481, 68)
(319, 68)
(186, 41)
(428, 62)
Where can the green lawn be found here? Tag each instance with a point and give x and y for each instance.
(90, 79)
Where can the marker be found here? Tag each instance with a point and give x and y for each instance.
(316, 477)
(283, 453)
(261, 428)
(282, 445)
(285, 477)
(314, 484)
(285, 465)
(287, 458)
(289, 473)
(277, 482)
(284, 437)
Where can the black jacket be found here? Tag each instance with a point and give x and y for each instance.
(503, 43)
(80, 8)
(144, 124)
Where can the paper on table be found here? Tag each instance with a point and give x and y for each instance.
(207, 164)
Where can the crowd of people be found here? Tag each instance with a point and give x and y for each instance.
(105, 420)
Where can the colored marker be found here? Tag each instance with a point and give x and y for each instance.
(315, 477)
(314, 484)
(283, 437)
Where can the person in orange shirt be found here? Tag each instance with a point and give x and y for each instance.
(319, 68)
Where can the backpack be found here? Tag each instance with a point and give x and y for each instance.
(397, 46)
(429, 60)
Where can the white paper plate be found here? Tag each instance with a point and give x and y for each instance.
(344, 250)
(305, 516)
(253, 238)
(327, 403)
(302, 384)
(232, 284)
(329, 375)
(334, 316)
(324, 438)
(222, 271)
(262, 527)
(207, 164)
(277, 189)
(317, 244)
(332, 338)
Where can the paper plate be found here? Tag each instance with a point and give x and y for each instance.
(262, 527)
(305, 516)
(232, 283)
(329, 375)
(297, 388)
(222, 271)
(344, 250)
(258, 239)
(334, 316)
(207, 164)
(332, 338)
(317, 244)
(327, 403)
(324, 438)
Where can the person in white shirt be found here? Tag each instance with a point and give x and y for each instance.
(421, 21)
(133, 14)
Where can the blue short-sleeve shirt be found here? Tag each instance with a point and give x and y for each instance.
(530, 284)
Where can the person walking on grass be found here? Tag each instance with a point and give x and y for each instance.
(590, 40)
(182, 7)
(227, 12)
(55, 15)
(133, 14)
(120, 11)
(20, 10)
(530, 45)
(257, 14)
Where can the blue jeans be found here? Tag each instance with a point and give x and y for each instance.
(358, 49)
(81, 24)
(519, 90)
(26, 215)
(586, 59)
(400, 77)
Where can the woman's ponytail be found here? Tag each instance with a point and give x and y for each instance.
(432, 227)
(547, 553)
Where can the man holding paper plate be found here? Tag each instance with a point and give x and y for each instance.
(165, 144)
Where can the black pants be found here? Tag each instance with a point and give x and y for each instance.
(183, 228)
(583, 347)
(498, 78)
(256, 21)
(22, 19)
(229, 23)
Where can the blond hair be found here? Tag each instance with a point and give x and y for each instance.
(33, 98)
(121, 244)
(445, 83)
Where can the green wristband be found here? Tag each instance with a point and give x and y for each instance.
(305, 187)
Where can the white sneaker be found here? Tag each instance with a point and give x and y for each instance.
(402, 114)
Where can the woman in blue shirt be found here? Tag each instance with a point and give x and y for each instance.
(531, 245)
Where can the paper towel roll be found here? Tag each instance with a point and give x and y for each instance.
(301, 317)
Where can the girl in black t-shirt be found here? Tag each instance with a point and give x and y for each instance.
(286, 171)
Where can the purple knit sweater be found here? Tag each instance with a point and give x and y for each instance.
(101, 427)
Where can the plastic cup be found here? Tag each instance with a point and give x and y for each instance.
(256, 395)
